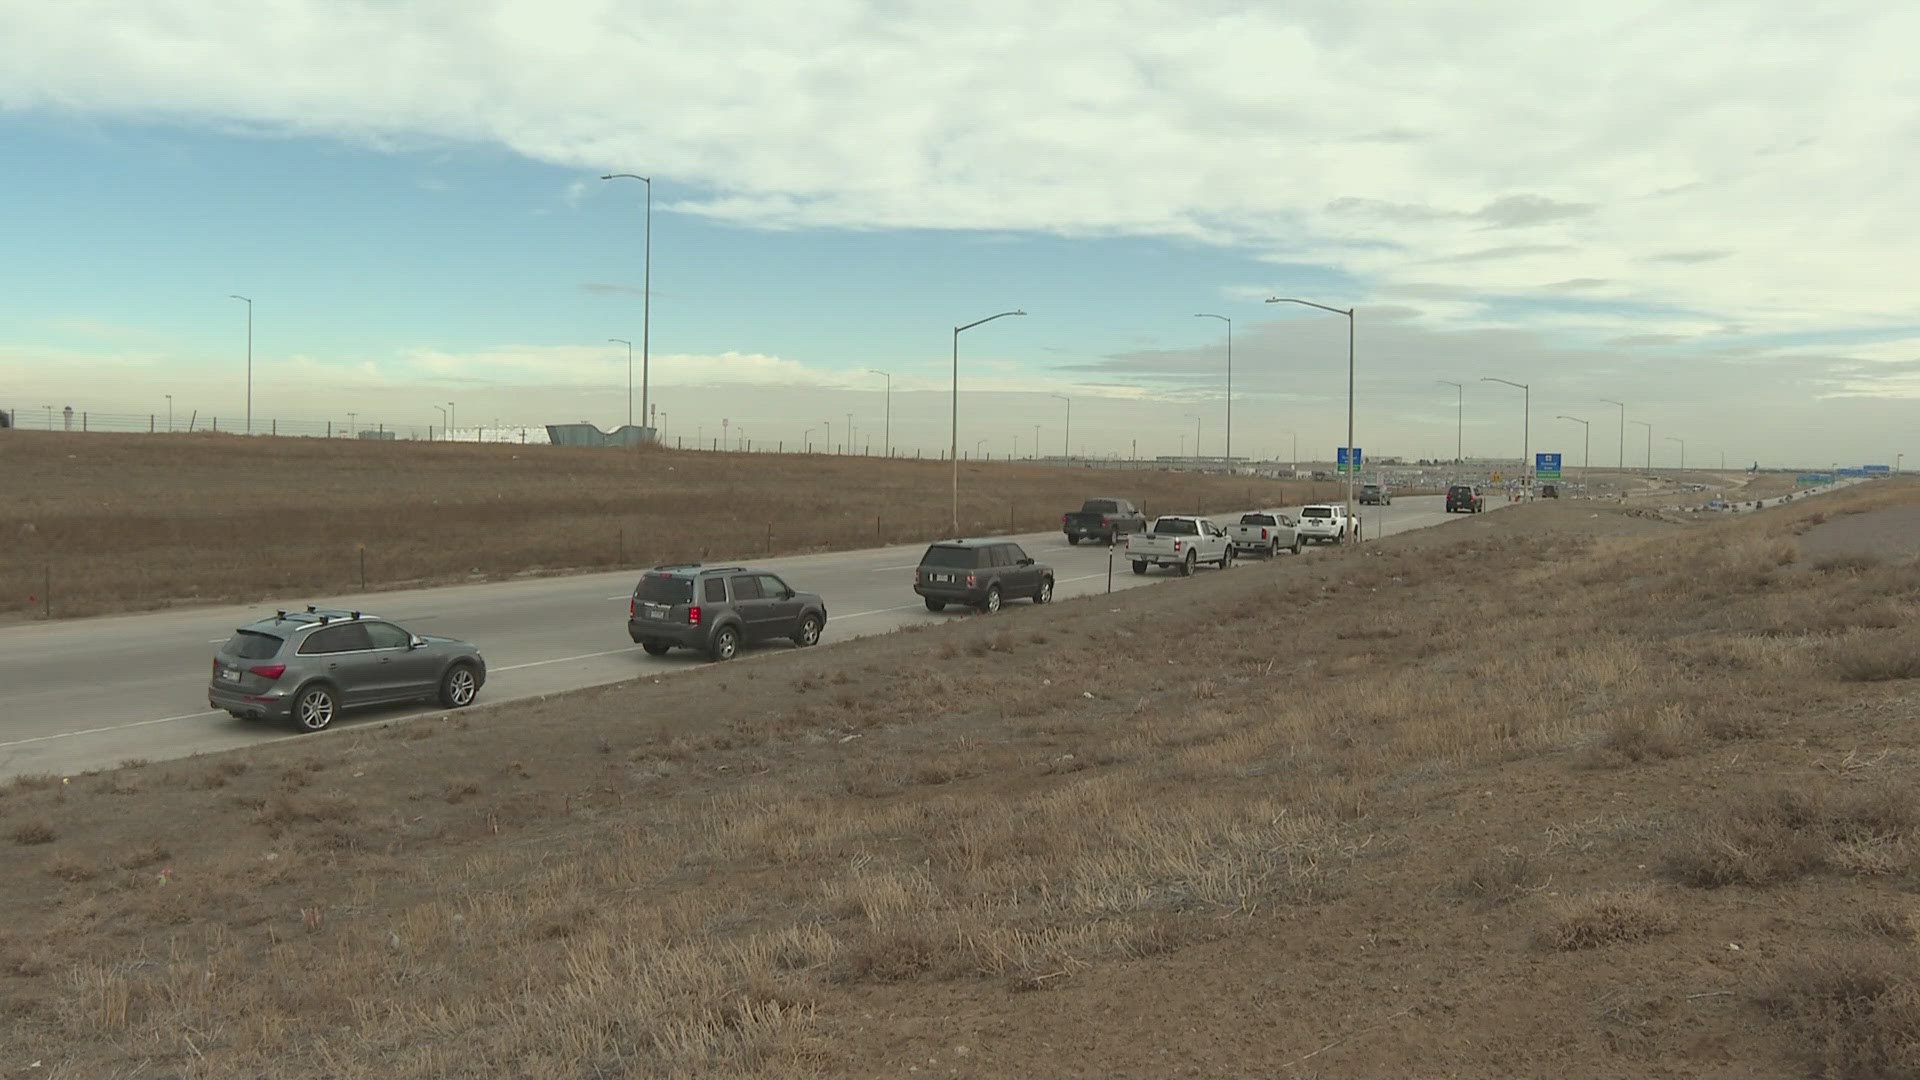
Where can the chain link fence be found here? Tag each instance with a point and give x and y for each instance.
(186, 420)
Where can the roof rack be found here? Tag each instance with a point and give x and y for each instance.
(721, 569)
(677, 566)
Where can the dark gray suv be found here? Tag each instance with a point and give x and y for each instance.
(306, 666)
(717, 609)
(980, 573)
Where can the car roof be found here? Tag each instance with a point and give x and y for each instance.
(971, 542)
(295, 621)
(696, 569)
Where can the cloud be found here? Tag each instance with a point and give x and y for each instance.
(1510, 251)
(601, 288)
(1688, 258)
(1577, 284)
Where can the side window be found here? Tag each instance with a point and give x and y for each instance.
(714, 591)
(772, 587)
(1014, 553)
(997, 556)
(387, 636)
(336, 639)
(746, 587)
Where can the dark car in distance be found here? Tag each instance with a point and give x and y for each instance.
(980, 573)
(719, 609)
(1105, 520)
(1465, 499)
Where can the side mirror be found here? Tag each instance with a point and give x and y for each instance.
(1028, 561)
(786, 594)
(416, 642)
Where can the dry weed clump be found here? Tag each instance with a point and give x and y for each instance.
(1856, 1011)
(28, 833)
(1779, 836)
(1502, 878)
(1590, 922)
(1876, 658)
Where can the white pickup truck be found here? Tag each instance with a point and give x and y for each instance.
(1325, 524)
(1268, 532)
(1180, 542)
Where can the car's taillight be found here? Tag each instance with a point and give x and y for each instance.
(1176, 545)
(216, 668)
(1063, 519)
(268, 672)
(1263, 534)
(633, 606)
(693, 615)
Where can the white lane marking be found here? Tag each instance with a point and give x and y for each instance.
(114, 727)
(878, 611)
(883, 569)
(564, 659)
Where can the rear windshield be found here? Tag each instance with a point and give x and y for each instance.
(1176, 527)
(664, 589)
(1257, 519)
(1099, 506)
(1317, 512)
(1458, 489)
(1369, 487)
(957, 557)
(252, 645)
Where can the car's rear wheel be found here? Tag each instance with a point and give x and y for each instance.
(1044, 595)
(726, 642)
(314, 708)
(1186, 567)
(655, 648)
(459, 686)
(809, 632)
(936, 605)
(1073, 541)
(992, 603)
(1139, 568)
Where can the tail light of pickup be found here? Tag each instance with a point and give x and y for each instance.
(1176, 546)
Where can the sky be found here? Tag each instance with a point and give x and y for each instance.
(1702, 210)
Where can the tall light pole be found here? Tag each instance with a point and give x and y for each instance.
(353, 421)
(629, 345)
(646, 297)
(1526, 429)
(1229, 322)
(1683, 451)
(1348, 312)
(978, 445)
(1066, 441)
(1195, 417)
(453, 419)
(443, 420)
(1623, 431)
(1586, 460)
(806, 442)
(1036, 442)
(953, 449)
(249, 304)
(1649, 428)
(887, 437)
(1459, 421)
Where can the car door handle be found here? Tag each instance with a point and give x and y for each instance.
(332, 664)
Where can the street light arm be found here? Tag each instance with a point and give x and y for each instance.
(1210, 315)
(988, 319)
(1509, 382)
(1348, 312)
(621, 340)
(628, 176)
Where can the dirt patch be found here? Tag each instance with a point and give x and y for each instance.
(1438, 806)
(1859, 540)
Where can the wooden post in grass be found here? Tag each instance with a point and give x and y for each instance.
(769, 537)
(620, 546)
(46, 592)
(363, 568)
(877, 534)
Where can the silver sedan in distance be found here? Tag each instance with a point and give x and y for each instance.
(308, 666)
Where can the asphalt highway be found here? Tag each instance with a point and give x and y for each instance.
(91, 693)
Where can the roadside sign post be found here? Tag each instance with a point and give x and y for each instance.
(1110, 567)
(1545, 467)
(1348, 461)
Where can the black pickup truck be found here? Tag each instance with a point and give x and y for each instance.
(1103, 519)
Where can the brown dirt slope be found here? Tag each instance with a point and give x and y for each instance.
(1504, 802)
(123, 521)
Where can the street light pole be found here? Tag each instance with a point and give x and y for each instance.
(1229, 322)
(443, 420)
(1683, 451)
(1066, 441)
(1586, 460)
(1195, 417)
(953, 449)
(806, 442)
(1649, 428)
(1623, 431)
(1459, 421)
(249, 304)
(1348, 312)
(887, 436)
(629, 345)
(1526, 429)
(646, 294)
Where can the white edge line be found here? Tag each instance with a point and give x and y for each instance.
(103, 730)
(564, 659)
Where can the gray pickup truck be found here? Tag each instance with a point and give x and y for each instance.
(1105, 520)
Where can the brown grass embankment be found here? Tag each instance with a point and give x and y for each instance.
(810, 865)
(128, 521)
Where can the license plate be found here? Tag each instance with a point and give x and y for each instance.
(942, 577)
(656, 613)
(230, 674)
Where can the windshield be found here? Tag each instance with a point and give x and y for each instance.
(1369, 487)
(1317, 512)
(664, 589)
(1176, 527)
(1257, 519)
(252, 645)
(959, 558)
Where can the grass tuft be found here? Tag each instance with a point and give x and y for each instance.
(1590, 922)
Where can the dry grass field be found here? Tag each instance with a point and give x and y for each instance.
(1562, 791)
(128, 521)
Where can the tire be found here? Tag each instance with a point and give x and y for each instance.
(725, 644)
(992, 603)
(1192, 561)
(1073, 541)
(655, 648)
(1139, 568)
(809, 633)
(1226, 557)
(458, 687)
(1273, 550)
(935, 605)
(1298, 547)
(314, 707)
(1044, 595)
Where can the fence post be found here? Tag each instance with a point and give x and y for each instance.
(781, 448)
(216, 423)
(769, 537)
(363, 568)
(877, 534)
(83, 419)
(46, 592)
(149, 423)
